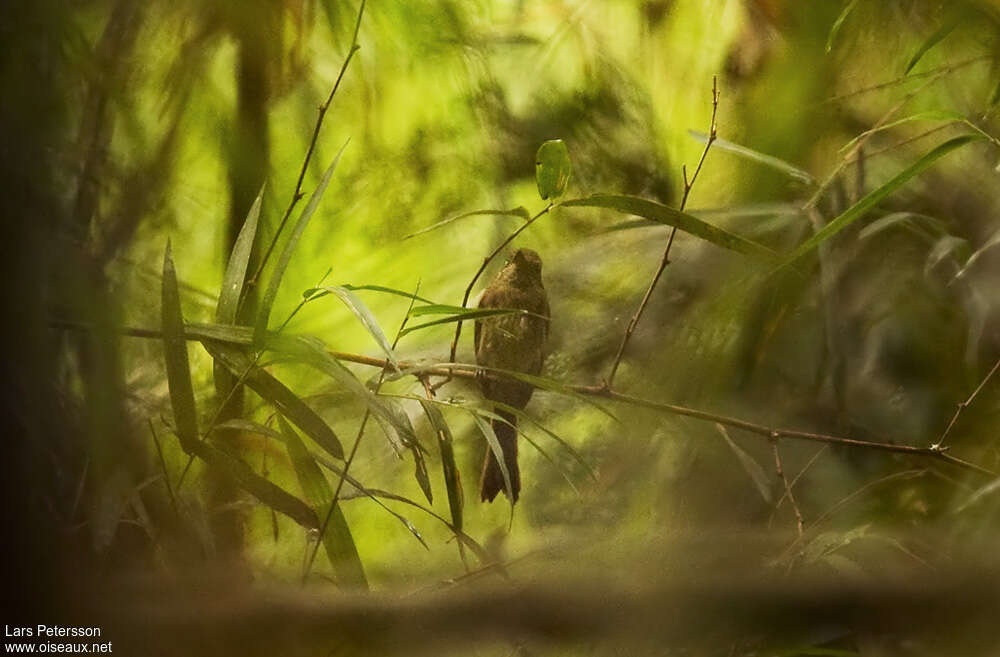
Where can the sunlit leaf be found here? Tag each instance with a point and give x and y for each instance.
(267, 302)
(176, 357)
(364, 315)
(337, 540)
(355, 288)
(552, 169)
(666, 215)
(236, 270)
(466, 314)
(247, 426)
(452, 479)
(784, 167)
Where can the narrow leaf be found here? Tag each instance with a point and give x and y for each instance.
(671, 217)
(520, 211)
(760, 480)
(275, 392)
(784, 167)
(337, 540)
(375, 288)
(875, 197)
(452, 479)
(364, 315)
(494, 444)
(247, 426)
(236, 270)
(929, 115)
(838, 23)
(935, 38)
(267, 302)
(467, 314)
(176, 357)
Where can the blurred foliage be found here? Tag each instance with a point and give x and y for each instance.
(130, 123)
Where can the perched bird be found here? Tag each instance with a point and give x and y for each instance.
(511, 342)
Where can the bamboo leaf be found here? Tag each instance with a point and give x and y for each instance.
(935, 38)
(236, 270)
(467, 314)
(848, 8)
(275, 392)
(364, 315)
(875, 197)
(247, 426)
(375, 288)
(494, 444)
(452, 479)
(339, 543)
(267, 302)
(778, 164)
(525, 417)
(176, 357)
(671, 217)
(520, 211)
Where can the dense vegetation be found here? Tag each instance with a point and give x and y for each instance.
(245, 410)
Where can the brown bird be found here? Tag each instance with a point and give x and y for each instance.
(511, 342)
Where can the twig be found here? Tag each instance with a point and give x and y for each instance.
(788, 488)
(907, 78)
(796, 478)
(963, 404)
(298, 194)
(665, 258)
(469, 371)
(468, 290)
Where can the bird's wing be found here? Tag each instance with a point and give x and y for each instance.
(485, 301)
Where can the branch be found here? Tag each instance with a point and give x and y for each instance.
(665, 259)
(963, 404)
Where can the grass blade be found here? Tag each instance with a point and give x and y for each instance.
(176, 356)
(671, 217)
(935, 38)
(275, 393)
(338, 541)
(837, 24)
(875, 197)
(778, 164)
(267, 302)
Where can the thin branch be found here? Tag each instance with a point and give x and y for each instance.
(298, 194)
(468, 371)
(963, 404)
(665, 258)
(907, 78)
(468, 290)
(788, 488)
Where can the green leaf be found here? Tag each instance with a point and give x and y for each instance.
(494, 444)
(337, 540)
(452, 479)
(671, 217)
(838, 23)
(176, 356)
(520, 211)
(376, 288)
(935, 38)
(525, 417)
(875, 197)
(275, 392)
(236, 270)
(267, 492)
(466, 314)
(360, 310)
(784, 167)
(518, 428)
(552, 169)
(267, 302)
(761, 210)
(247, 426)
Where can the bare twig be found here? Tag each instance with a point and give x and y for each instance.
(788, 488)
(665, 258)
(907, 78)
(298, 194)
(963, 404)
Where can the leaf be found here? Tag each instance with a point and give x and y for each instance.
(838, 23)
(267, 492)
(552, 169)
(247, 426)
(875, 197)
(519, 211)
(980, 494)
(666, 215)
(275, 392)
(784, 167)
(929, 115)
(760, 479)
(935, 38)
(337, 540)
(360, 310)
(452, 479)
(466, 314)
(376, 288)
(736, 212)
(517, 427)
(926, 227)
(522, 416)
(494, 445)
(236, 270)
(420, 473)
(267, 302)
(176, 356)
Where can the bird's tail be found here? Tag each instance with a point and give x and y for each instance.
(493, 481)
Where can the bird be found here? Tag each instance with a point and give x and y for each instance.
(510, 342)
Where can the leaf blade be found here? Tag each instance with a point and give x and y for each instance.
(176, 356)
